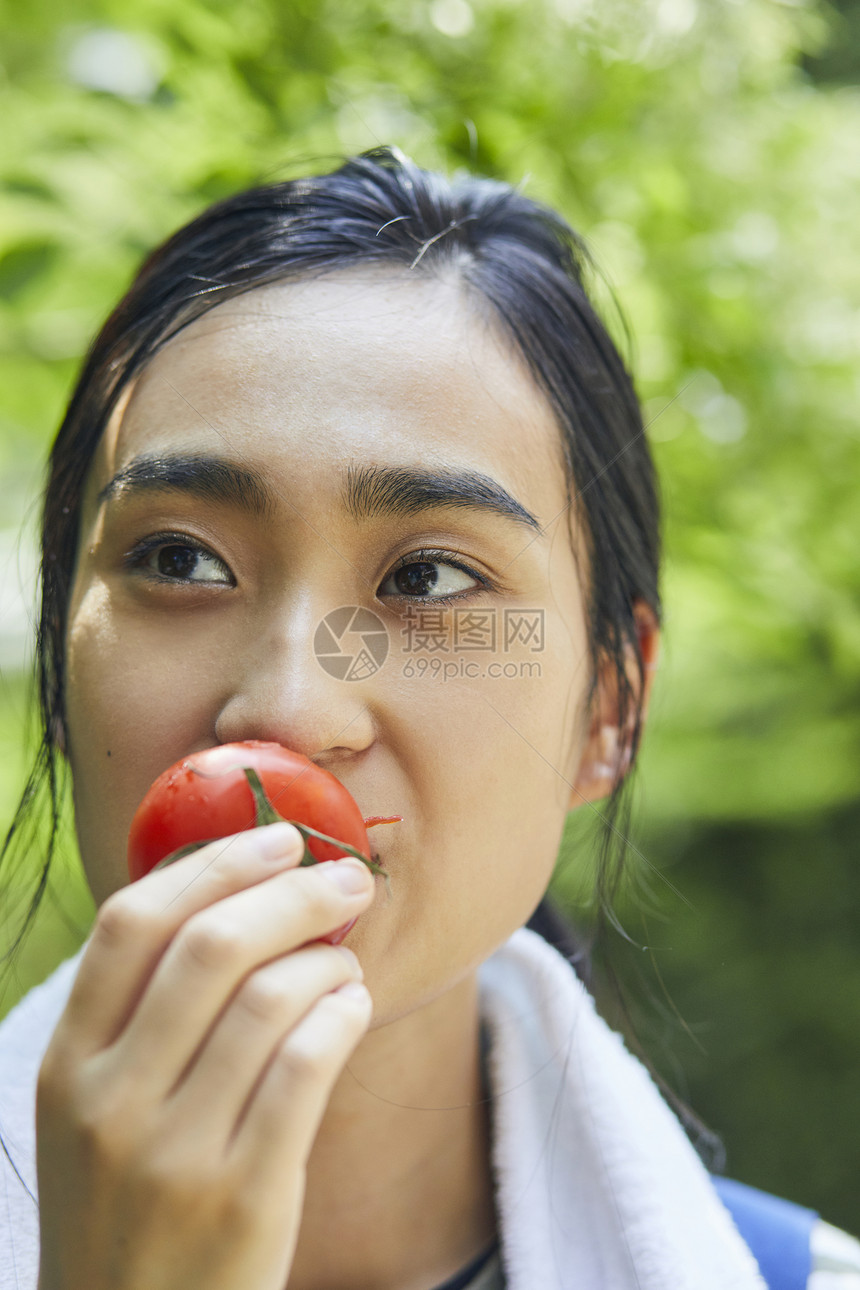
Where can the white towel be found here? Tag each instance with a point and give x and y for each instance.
(599, 1187)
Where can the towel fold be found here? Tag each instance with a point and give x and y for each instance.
(599, 1187)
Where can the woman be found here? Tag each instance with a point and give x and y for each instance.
(367, 389)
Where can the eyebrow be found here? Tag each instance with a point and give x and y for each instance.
(211, 478)
(406, 490)
(370, 492)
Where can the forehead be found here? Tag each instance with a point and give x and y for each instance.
(358, 366)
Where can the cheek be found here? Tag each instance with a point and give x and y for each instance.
(500, 743)
(484, 833)
(130, 712)
(491, 761)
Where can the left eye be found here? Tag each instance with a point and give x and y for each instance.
(179, 562)
(432, 579)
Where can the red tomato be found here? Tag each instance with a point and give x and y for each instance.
(207, 795)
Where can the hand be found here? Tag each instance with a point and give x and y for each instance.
(182, 1089)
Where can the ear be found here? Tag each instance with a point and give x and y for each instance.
(608, 752)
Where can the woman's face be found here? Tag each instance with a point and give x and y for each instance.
(366, 440)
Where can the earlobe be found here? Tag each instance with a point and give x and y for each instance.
(604, 760)
(608, 753)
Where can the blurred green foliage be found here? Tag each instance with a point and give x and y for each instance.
(719, 187)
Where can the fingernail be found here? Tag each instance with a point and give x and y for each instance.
(350, 875)
(353, 990)
(279, 841)
(352, 960)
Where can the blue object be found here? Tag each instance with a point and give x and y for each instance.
(777, 1231)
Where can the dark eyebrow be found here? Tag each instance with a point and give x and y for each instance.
(212, 478)
(370, 491)
(403, 490)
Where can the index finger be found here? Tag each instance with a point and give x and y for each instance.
(135, 925)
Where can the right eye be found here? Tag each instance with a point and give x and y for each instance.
(173, 558)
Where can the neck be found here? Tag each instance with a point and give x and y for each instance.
(399, 1190)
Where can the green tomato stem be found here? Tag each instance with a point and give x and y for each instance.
(266, 814)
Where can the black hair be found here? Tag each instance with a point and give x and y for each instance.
(520, 264)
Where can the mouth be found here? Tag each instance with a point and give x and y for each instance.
(370, 822)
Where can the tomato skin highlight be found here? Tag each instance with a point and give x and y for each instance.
(207, 795)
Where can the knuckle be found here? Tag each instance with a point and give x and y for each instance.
(103, 1123)
(262, 996)
(123, 918)
(211, 942)
(298, 1063)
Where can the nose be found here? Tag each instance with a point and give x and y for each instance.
(286, 689)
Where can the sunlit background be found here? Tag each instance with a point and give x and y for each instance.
(710, 151)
